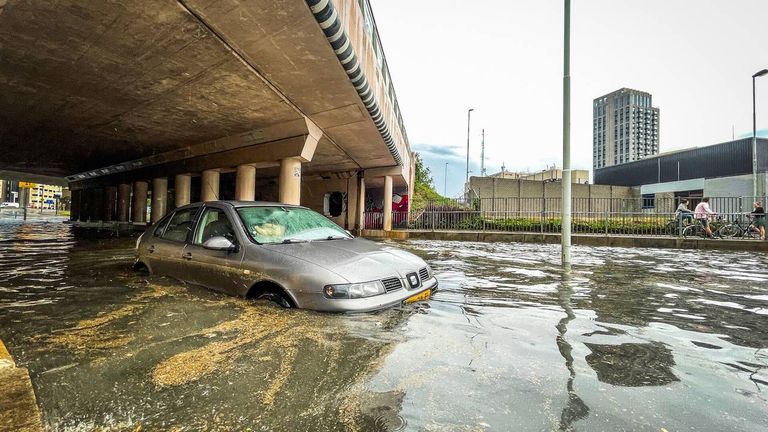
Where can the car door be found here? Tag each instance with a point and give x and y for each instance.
(166, 246)
(216, 269)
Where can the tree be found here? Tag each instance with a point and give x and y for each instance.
(424, 185)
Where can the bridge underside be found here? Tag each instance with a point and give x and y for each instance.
(105, 93)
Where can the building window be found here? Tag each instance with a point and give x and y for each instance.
(649, 201)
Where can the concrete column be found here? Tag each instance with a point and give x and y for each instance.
(209, 187)
(360, 205)
(110, 203)
(159, 198)
(387, 203)
(123, 202)
(74, 205)
(139, 207)
(245, 184)
(97, 205)
(183, 189)
(290, 181)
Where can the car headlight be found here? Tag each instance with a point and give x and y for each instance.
(355, 290)
(138, 240)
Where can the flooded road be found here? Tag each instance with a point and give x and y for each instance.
(631, 339)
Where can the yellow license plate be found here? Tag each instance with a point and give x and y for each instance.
(424, 295)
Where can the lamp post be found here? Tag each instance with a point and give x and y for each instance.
(754, 131)
(445, 182)
(469, 119)
(565, 238)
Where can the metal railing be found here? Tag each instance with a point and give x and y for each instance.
(607, 216)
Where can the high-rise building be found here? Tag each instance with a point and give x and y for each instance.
(625, 128)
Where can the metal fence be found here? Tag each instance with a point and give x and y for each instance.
(608, 216)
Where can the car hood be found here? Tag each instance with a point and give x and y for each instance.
(356, 260)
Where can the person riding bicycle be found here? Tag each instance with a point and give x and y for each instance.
(758, 220)
(683, 214)
(702, 214)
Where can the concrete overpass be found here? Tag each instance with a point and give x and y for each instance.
(192, 100)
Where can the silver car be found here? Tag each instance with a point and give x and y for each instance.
(288, 254)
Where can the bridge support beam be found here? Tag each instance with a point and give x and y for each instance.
(159, 198)
(245, 186)
(110, 202)
(290, 181)
(139, 207)
(182, 190)
(210, 185)
(123, 202)
(74, 207)
(387, 203)
(360, 218)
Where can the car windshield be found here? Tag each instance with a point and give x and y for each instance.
(288, 224)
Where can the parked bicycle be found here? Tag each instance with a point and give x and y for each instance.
(740, 228)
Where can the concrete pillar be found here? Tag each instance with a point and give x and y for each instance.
(139, 207)
(360, 217)
(209, 187)
(97, 205)
(183, 189)
(245, 184)
(110, 203)
(74, 205)
(123, 202)
(387, 203)
(159, 198)
(290, 181)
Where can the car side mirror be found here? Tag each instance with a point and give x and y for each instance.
(220, 244)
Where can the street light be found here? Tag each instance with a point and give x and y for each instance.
(445, 184)
(469, 119)
(565, 236)
(754, 131)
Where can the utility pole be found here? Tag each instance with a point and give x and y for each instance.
(482, 156)
(565, 238)
(469, 120)
(754, 132)
(445, 182)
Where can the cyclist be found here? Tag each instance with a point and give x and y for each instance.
(702, 214)
(758, 221)
(682, 214)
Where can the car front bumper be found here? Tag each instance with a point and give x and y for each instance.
(319, 302)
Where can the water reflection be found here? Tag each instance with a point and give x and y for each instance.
(575, 408)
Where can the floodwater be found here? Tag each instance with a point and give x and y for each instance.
(631, 339)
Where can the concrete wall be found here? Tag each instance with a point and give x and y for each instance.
(736, 186)
(313, 196)
(526, 198)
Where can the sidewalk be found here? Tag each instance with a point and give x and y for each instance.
(18, 409)
(577, 239)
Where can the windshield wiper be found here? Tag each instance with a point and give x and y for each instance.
(332, 237)
(290, 240)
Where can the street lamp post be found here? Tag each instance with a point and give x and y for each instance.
(445, 183)
(565, 238)
(469, 119)
(754, 131)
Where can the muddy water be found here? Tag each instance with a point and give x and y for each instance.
(629, 340)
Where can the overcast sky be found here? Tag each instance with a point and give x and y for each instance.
(504, 58)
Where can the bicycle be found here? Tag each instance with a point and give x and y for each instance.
(740, 229)
(696, 229)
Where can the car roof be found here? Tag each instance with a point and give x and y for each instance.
(240, 204)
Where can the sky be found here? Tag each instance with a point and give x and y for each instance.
(504, 58)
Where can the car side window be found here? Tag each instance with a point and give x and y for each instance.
(161, 226)
(214, 223)
(180, 225)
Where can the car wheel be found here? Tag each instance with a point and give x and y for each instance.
(275, 297)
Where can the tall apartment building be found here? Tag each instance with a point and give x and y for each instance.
(625, 128)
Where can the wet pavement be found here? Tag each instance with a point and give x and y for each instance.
(631, 339)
